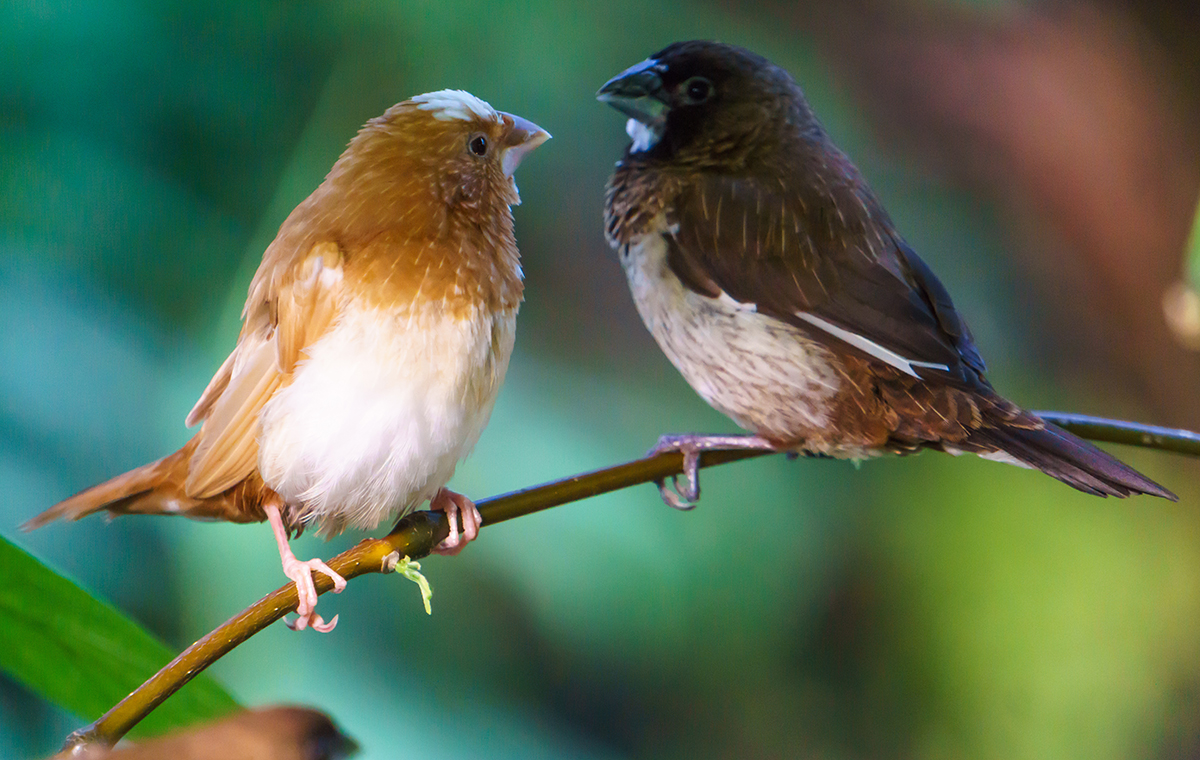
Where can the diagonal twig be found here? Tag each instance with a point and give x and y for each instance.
(415, 536)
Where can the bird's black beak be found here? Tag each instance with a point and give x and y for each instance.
(638, 93)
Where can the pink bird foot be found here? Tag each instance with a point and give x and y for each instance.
(455, 504)
(300, 573)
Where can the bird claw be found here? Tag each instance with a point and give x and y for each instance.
(684, 498)
(314, 621)
(300, 573)
(455, 504)
(676, 498)
(690, 445)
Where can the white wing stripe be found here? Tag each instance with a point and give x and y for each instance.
(870, 347)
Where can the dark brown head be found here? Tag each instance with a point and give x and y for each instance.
(708, 104)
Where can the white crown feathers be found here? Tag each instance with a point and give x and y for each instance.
(460, 105)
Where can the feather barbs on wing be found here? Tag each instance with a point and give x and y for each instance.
(306, 306)
(228, 448)
(866, 291)
(216, 387)
(299, 313)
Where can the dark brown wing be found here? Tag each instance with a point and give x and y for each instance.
(826, 261)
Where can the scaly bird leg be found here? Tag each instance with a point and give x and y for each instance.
(455, 504)
(301, 574)
(690, 445)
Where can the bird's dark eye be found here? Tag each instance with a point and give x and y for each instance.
(697, 90)
(478, 145)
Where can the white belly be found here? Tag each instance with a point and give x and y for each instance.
(380, 413)
(763, 373)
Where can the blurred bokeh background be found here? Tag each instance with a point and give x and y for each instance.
(1041, 157)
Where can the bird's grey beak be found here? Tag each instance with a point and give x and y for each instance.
(638, 93)
(523, 137)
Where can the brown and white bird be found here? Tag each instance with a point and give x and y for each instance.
(375, 337)
(771, 276)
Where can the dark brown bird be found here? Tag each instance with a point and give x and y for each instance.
(773, 279)
(376, 335)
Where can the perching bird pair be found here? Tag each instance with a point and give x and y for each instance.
(379, 326)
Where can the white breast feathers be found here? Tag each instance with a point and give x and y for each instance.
(762, 372)
(381, 411)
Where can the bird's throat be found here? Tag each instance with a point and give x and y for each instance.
(644, 136)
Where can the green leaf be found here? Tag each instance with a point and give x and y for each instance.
(82, 654)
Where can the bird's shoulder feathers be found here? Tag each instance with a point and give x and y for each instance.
(824, 258)
(291, 305)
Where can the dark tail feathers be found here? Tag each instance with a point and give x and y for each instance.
(1070, 459)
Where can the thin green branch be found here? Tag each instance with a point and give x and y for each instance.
(417, 534)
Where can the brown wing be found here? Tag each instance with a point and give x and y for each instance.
(831, 263)
(283, 316)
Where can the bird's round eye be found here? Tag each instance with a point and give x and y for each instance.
(478, 145)
(697, 90)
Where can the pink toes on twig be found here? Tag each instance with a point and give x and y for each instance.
(455, 505)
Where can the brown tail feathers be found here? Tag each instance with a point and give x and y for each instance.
(1070, 459)
(139, 491)
(153, 489)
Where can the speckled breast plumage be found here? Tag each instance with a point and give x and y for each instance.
(764, 374)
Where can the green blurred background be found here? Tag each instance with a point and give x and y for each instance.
(929, 607)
